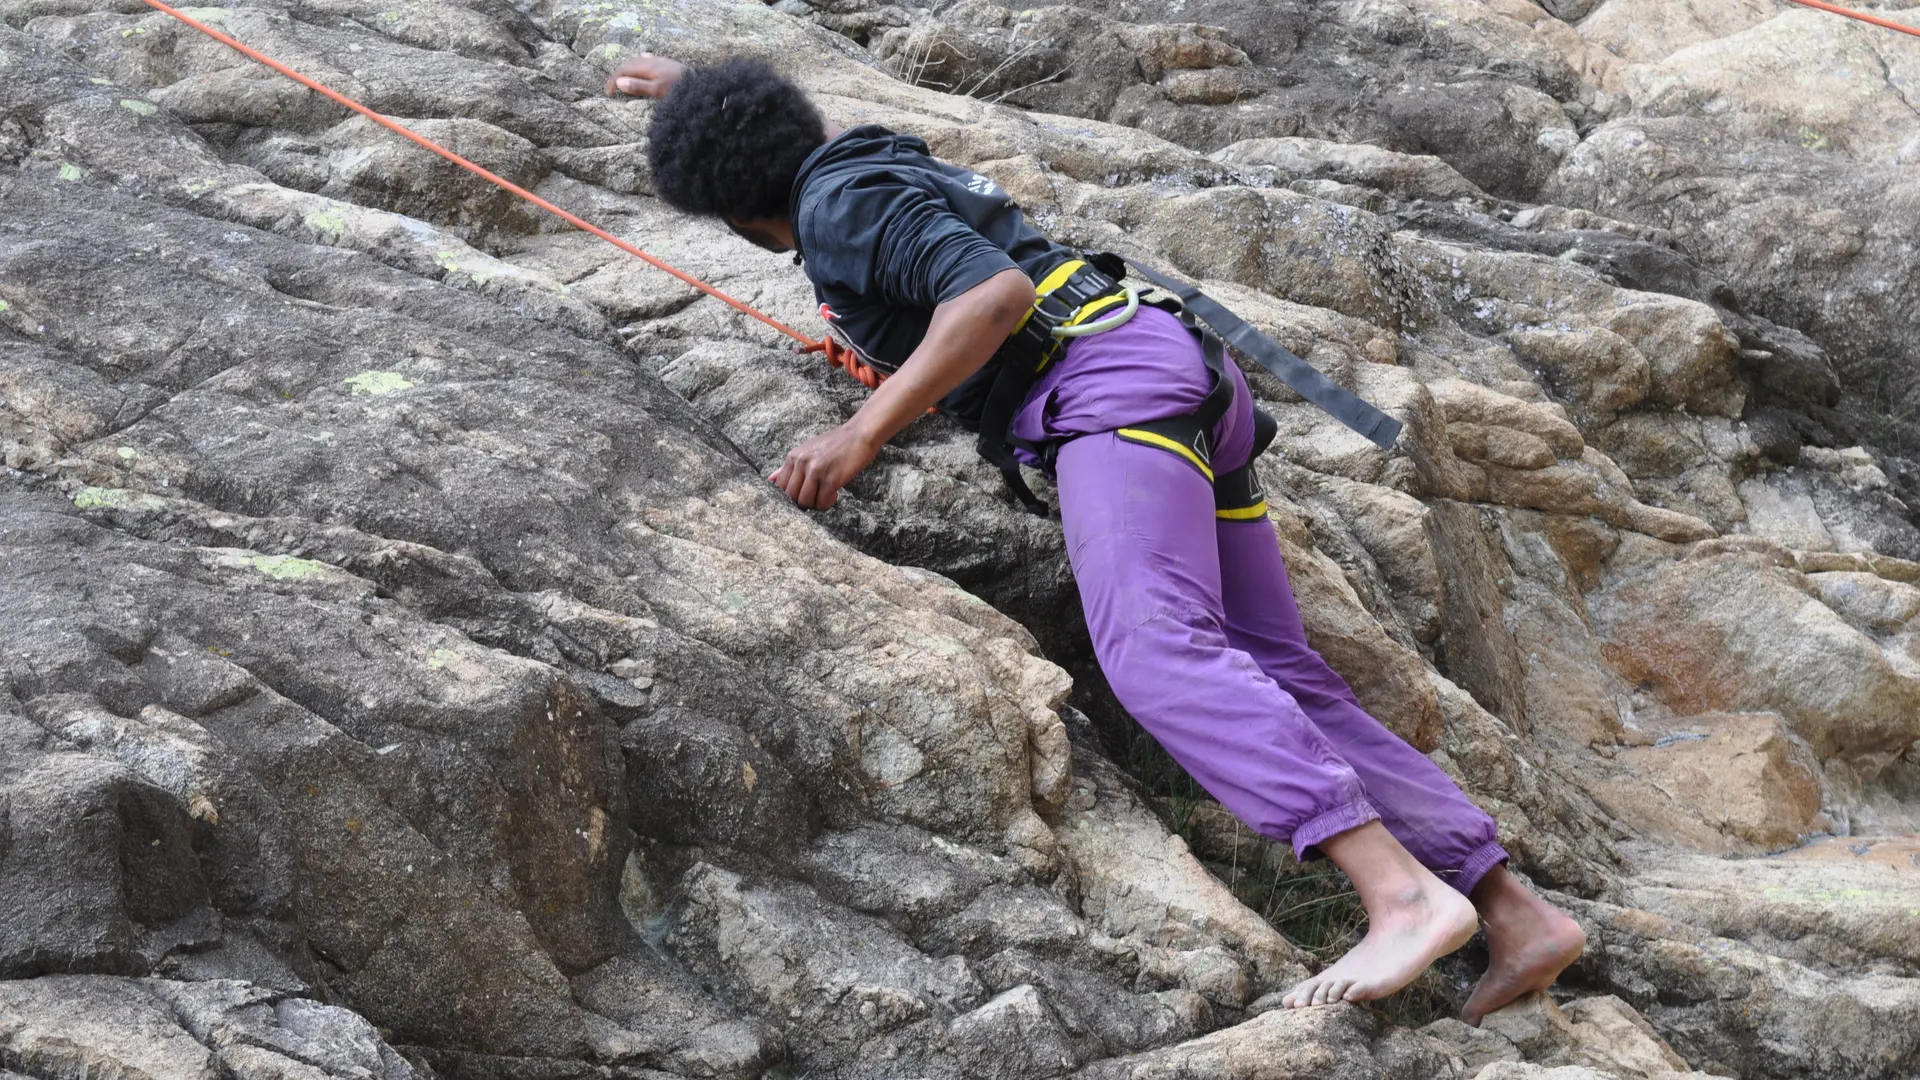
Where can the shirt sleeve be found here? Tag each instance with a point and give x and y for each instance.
(883, 237)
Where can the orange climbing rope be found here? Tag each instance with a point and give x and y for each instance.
(576, 222)
(847, 360)
(1848, 12)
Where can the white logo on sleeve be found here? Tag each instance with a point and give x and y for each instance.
(980, 185)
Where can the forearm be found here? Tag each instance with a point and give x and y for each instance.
(964, 334)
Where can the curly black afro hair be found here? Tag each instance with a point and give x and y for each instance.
(730, 139)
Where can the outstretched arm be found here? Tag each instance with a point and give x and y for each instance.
(963, 336)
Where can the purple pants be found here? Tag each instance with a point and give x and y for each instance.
(1194, 622)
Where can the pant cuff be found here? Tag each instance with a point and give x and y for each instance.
(1476, 867)
(1331, 823)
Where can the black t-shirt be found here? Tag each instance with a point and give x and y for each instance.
(888, 233)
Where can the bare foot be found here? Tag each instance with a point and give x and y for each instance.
(1415, 926)
(1530, 943)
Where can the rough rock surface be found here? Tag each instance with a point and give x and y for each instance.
(93, 1025)
(409, 674)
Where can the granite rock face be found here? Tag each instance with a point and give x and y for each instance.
(409, 672)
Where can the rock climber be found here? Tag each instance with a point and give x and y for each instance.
(931, 280)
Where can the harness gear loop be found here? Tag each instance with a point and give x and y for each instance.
(1077, 327)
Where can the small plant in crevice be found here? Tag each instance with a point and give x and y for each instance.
(1890, 412)
(1165, 782)
(924, 59)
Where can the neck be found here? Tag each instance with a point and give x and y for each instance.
(774, 234)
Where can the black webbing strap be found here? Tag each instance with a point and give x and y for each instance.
(1306, 380)
(1025, 355)
(1220, 396)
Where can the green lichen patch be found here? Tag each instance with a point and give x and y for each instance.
(127, 453)
(95, 498)
(138, 107)
(4, 305)
(329, 224)
(105, 498)
(449, 260)
(441, 658)
(378, 382)
(286, 567)
(70, 172)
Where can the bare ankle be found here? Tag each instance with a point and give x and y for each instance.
(1419, 900)
(1410, 893)
(1504, 900)
(1383, 873)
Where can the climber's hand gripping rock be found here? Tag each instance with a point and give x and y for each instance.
(645, 75)
(963, 335)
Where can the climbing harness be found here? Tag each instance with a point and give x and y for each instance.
(1860, 15)
(1082, 288)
